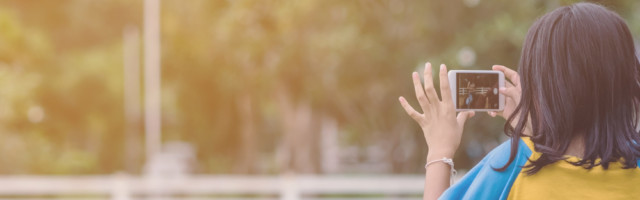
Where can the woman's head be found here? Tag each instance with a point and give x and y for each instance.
(580, 77)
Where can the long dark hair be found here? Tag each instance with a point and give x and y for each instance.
(580, 77)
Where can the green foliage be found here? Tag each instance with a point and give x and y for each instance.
(348, 60)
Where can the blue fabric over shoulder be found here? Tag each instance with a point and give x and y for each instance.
(482, 182)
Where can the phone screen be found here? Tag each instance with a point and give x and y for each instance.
(477, 91)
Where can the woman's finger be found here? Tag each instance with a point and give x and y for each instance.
(412, 112)
(509, 73)
(463, 116)
(428, 85)
(445, 90)
(422, 98)
(509, 85)
(510, 92)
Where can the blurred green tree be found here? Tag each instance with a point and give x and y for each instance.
(251, 84)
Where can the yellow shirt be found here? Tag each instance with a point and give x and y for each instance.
(562, 180)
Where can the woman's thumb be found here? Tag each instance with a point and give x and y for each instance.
(463, 116)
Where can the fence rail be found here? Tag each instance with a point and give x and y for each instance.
(121, 187)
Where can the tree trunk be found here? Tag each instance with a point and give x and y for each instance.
(248, 137)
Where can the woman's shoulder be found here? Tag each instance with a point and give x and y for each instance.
(528, 150)
(500, 155)
(485, 182)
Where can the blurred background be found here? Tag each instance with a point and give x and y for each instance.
(126, 99)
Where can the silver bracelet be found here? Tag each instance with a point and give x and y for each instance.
(448, 161)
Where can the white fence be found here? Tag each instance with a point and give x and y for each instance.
(124, 187)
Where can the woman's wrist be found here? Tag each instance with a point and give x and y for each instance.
(431, 156)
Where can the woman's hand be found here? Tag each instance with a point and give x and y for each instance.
(442, 129)
(511, 91)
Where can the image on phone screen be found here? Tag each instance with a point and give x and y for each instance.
(477, 91)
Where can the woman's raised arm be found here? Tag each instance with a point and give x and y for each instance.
(441, 128)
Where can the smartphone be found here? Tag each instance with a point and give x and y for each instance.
(477, 90)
